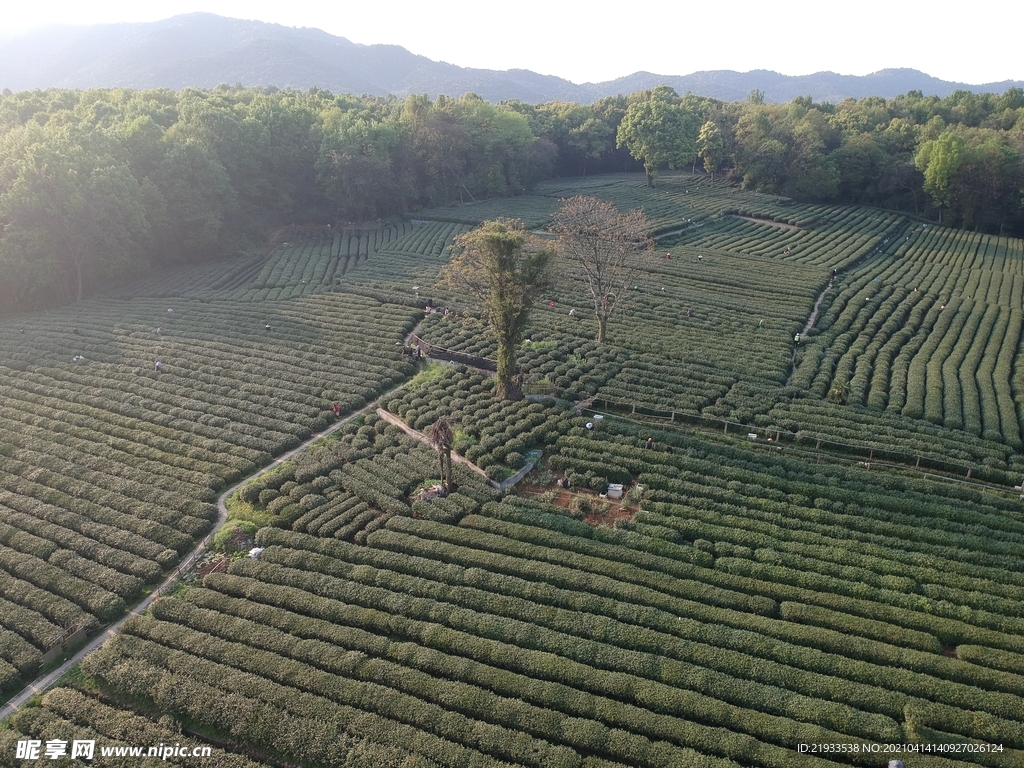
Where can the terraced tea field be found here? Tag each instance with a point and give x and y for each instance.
(109, 468)
(921, 326)
(755, 604)
(929, 330)
(750, 597)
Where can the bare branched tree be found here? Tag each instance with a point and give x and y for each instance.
(606, 249)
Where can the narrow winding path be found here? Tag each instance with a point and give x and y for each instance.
(814, 313)
(807, 329)
(663, 235)
(44, 682)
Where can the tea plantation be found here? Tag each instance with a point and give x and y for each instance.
(818, 559)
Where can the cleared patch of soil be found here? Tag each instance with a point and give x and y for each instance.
(218, 564)
(564, 498)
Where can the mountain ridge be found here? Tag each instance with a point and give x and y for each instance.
(205, 50)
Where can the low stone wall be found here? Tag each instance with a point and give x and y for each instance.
(440, 353)
(508, 482)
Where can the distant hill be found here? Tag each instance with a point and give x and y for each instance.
(202, 49)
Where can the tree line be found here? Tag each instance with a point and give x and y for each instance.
(96, 185)
(959, 158)
(99, 184)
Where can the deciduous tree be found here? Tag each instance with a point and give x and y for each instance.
(658, 131)
(356, 169)
(606, 249)
(711, 147)
(938, 159)
(70, 211)
(506, 271)
(986, 186)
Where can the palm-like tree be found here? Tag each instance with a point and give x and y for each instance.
(441, 437)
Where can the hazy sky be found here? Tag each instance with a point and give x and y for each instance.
(977, 42)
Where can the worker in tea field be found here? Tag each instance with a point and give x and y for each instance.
(158, 367)
(796, 340)
(336, 409)
(650, 444)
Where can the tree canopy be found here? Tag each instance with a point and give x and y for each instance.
(710, 147)
(938, 160)
(505, 271)
(73, 213)
(103, 184)
(99, 185)
(659, 130)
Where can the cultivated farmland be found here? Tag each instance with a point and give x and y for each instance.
(747, 595)
(928, 329)
(109, 468)
(755, 604)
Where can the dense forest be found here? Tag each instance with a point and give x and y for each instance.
(103, 183)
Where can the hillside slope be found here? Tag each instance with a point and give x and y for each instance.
(205, 50)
